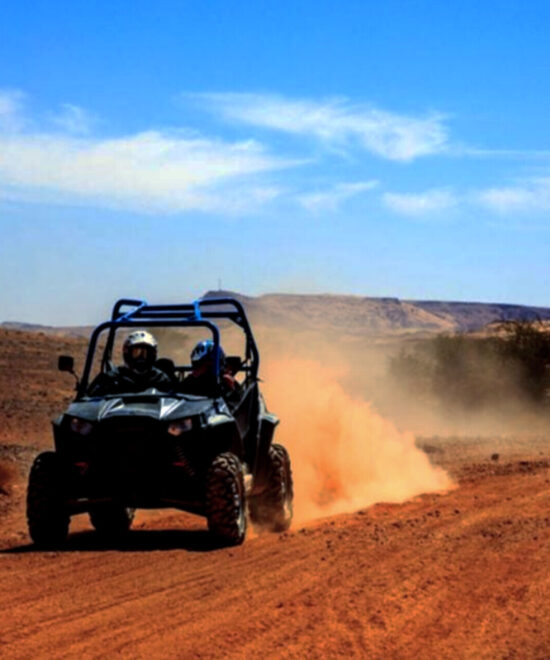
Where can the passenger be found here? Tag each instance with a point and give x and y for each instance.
(202, 380)
(138, 372)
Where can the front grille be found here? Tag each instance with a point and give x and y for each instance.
(129, 454)
(136, 460)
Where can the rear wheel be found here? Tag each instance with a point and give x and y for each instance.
(273, 508)
(226, 499)
(47, 515)
(111, 520)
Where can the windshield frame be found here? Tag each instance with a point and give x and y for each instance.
(113, 326)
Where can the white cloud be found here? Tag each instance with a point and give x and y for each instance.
(336, 122)
(11, 102)
(179, 171)
(532, 196)
(463, 151)
(332, 197)
(418, 204)
(74, 120)
(148, 171)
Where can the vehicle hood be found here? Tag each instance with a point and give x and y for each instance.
(152, 404)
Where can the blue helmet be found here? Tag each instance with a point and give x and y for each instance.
(204, 351)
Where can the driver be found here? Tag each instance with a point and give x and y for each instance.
(138, 372)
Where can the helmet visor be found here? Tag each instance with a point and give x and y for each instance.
(139, 353)
(140, 358)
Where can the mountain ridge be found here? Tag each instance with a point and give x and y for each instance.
(382, 315)
(352, 314)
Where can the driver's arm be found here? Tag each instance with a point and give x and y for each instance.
(103, 383)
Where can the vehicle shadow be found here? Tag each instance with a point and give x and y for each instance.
(134, 541)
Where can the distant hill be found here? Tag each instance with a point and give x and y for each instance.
(354, 315)
(472, 315)
(61, 331)
(378, 316)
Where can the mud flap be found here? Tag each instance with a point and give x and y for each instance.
(267, 424)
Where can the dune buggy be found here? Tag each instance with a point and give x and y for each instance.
(201, 454)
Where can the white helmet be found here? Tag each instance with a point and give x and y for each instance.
(140, 351)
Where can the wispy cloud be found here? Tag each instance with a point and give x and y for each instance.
(74, 120)
(147, 171)
(419, 204)
(331, 198)
(336, 122)
(463, 151)
(532, 196)
(156, 171)
(11, 117)
(59, 158)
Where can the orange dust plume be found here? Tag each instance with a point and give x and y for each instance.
(345, 456)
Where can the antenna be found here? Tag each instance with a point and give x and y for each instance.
(219, 283)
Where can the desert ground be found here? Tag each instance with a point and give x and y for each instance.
(459, 571)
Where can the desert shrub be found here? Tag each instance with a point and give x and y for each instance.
(473, 372)
(527, 344)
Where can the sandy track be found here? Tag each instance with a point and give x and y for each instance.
(465, 573)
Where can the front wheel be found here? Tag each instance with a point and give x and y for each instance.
(226, 499)
(47, 515)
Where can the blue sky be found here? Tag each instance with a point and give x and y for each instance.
(151, 150)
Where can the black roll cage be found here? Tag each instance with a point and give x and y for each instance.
(197, 313)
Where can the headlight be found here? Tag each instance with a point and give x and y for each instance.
(81, 426)
(179, 427)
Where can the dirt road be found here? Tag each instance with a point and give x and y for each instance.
(461, 574)
(464, 574)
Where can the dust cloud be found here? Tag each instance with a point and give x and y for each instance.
(345, 455)
(340, 417)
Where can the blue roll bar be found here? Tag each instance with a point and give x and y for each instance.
(197, 313)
